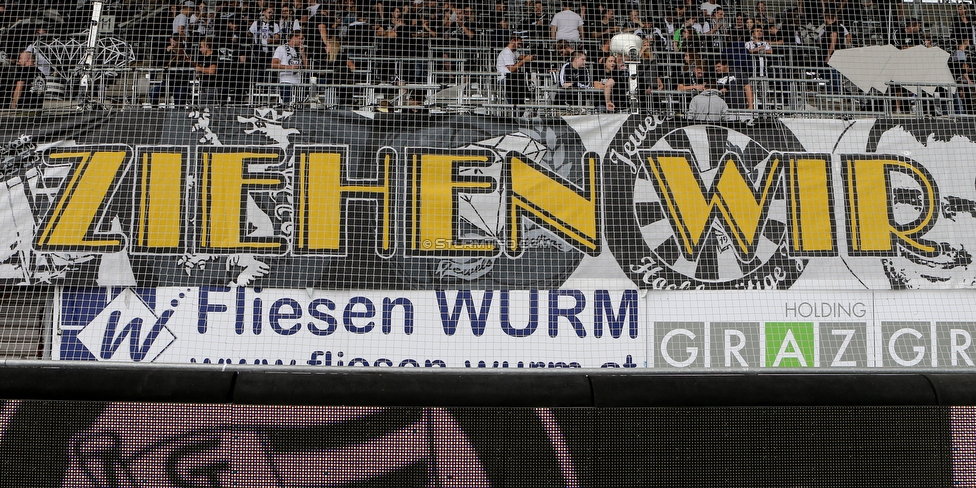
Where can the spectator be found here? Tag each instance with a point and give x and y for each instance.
(738, 32)
(574, 76)
(206, 71)
(606, 26)
(233, 71)
(684, 36)
(962, 75)
(181, 23)
(510, 72)
(27, 83)
(536, 23)
(775, 37)
(614, 83)
(288, 22)
(718, 32)
(177, 76)
(962, 26)
(758, 47)
(708, 106)
(266, 33)
(342, 71)
(735, 87)
(911, 34)
(289, 59)
(567, 24)
(694, 80)
(761, 16)
(41, 62)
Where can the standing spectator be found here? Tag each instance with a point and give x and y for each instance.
(708, 106)
(567, 24)
(962, 26)
(607, 25)
(510, 72)
(574, 76)
(206, 70)
(288, 22)
(831, 39)
(289, 59)
(962, 74)
(177, 76)
(342, 71)
(737, 31)
(266, 33)
(735, 87)
(718, 34)
(776, 36)
(181, 23)
(536, 23)
(759, 47)
(911, 35)
(761, 16)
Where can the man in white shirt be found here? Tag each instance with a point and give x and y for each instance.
(289, 59)
(181, 24)
(508, 65)
(567, 25)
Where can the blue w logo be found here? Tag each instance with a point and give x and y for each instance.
(132, 330)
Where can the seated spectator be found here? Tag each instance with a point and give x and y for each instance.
(289, 59)
(574, 75)
(693, 81)
(735, 87)
(708, 106)
(613, 81)
(27, 83)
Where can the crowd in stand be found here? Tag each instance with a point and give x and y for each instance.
(230, 46)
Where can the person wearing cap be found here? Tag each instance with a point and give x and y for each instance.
(510, 72)
(289, 59)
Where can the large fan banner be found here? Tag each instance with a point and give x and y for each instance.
(273, 199)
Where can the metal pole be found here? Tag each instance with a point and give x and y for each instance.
(88, 62)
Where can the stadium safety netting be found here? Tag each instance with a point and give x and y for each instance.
(661, 187)
(496, 184)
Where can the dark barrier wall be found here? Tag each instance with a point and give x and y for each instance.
(93, 444)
